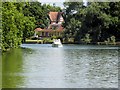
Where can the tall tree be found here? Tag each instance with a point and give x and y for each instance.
(14, 24)
(11, 35)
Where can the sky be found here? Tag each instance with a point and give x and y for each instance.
(51, 0)
(57, 2)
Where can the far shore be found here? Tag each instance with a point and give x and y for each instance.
(50, 42)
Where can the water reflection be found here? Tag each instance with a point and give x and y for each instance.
(45, 68)
(0, 69)
(12, 69)
(72, 66)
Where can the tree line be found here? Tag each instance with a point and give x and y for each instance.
(20, 19)
(93, 23)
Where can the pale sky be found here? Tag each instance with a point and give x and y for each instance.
(51, 0)
(57, 2)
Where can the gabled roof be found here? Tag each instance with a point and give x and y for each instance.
(55, 16)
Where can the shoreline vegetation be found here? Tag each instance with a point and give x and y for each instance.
(29, 41)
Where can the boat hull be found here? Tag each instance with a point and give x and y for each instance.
(57, 45)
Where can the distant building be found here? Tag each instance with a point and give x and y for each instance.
(55, 28)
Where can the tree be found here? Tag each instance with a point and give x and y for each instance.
(14, 25)
(40, 12)
(29, 26)
(98, 19)
(72, 22)
(11, 35)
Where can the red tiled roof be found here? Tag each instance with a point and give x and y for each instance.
(38, 29)
(53, 16)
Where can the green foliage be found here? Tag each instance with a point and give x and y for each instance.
(29, 26)
(87, 39)
(113, 39)
(53, 37)
(110, 40)
(47, 40)
(15, 26)
(100, 19)
(11, 31)
(40, 12)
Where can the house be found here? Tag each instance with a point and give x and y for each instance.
(54, 28)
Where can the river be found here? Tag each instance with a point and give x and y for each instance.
(72, 66)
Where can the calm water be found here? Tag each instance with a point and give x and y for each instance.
(73, 66)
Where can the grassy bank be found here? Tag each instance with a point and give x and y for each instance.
(38, 41)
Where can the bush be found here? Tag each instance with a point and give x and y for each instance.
(86, 39)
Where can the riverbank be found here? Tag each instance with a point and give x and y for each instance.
(39, 41)
(51, 41)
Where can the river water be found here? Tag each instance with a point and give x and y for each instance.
(72, 66)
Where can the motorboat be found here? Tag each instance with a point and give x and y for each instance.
(57, 43)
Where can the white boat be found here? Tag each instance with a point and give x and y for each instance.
(57, 43)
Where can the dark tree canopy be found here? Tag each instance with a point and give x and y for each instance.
(99, 20)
